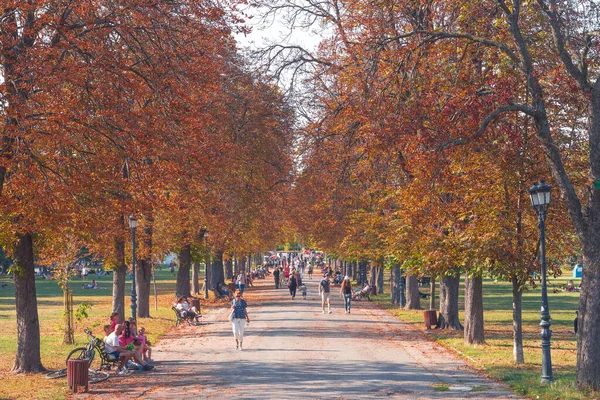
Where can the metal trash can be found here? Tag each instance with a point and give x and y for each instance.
(77, 374)
(430, 318)
(373, 290)
(196, 303)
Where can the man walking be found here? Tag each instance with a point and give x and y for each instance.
(324, 291)
(276, 277)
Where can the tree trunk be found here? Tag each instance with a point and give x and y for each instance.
(413, 299)
(362, 273)
(517, 293)
(119, 274)
(350, 271)
(474, 332)
(432, 293)
(229, 269)
(183, 275)
(143, 274)
(217, 274)
(380, 281)
(588, 327)
(195, 283)
(395, 284)
(373, 276)
(28, 357)
(448, 317)
(207, 271)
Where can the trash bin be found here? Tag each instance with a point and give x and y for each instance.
(430, 318)
(374, 289)
(77, 374)
(196, 303)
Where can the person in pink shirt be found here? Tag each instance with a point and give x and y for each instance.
(146, 349)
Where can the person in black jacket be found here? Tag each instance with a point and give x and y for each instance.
(293, 284)
(276, 277)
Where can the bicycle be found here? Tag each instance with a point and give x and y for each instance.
(88, 352)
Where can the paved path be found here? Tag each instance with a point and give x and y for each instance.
(293, 351)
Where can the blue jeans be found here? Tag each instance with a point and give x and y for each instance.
(241, 286)
(347, 301)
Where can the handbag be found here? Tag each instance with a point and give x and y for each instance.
(230, 318)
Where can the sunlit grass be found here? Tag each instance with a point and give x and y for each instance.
(50, 311)
(496, 356)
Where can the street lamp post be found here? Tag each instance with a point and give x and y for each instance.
(540, 199)
(133, 225)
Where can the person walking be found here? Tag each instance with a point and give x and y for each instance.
(293, 284)
(240, 317)
(346, 292)
(276, 277)
(241, 281)
(324, 291)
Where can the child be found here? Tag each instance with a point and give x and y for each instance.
(114, 320)
(146, 350)
(303, 290)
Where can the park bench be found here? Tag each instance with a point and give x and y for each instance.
(220, 296)
(179, 319)
(107, 361)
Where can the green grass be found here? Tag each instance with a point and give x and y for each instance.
(495, 358)
(50, 311)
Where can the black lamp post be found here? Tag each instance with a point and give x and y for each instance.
(540, 199)
(133, 225)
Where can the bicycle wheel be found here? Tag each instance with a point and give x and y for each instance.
(97, 376)
(57, 374)
(82, 353)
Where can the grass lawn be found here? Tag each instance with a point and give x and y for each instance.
(50, 309)
(496, 357)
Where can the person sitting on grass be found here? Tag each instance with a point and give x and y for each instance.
(185, 310)
(146, 349)
(92, 285)
(113, 347)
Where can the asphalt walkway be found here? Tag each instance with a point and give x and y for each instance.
(292, 351)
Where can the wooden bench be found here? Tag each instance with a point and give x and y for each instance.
(179, 319)
(107, 361)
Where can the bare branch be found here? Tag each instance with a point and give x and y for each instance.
(559, 43)
(488, 120)
(434, 36)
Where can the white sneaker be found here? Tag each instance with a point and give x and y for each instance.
(323, 312)
(124, 372)
(329, 312)
(345, 312)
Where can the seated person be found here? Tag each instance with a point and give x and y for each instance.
(113, 348)
(128, 341)
(185, 310)
(570, 286)
(92, 285)
(114, 320)
(222, 291)
(146, 349)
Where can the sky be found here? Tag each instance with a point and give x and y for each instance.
(274, 30)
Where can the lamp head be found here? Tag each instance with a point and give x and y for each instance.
(540, 195)
(133, 222)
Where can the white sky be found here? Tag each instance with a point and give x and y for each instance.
(264, 32)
